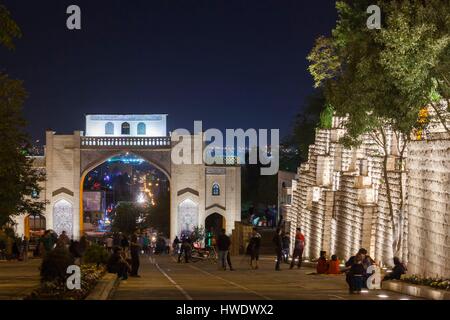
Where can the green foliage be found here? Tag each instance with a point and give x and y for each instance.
(326, 117)
(438, 283)
(49, 290)
(158, 216)
(8, 28)
(198, 234)
(54, 265)
(18, 178)
(381, 79)
(96, 254)
(126, 218)
(295, 147)
(384, 77)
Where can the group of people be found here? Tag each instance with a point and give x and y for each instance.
(325, 266)
(357, 275)
(281, 243)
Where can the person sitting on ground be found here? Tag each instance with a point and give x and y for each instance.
(322, 264)
(333, 265)
(350, 262)
(355, 275)
(117, 264)
(397, 271)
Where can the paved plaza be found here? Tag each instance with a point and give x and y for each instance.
(17, 279)
(165, 279)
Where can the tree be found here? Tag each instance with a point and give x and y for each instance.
(295, 147)
(19, 181)
(128, 218)
(158, 216)
(381, 79)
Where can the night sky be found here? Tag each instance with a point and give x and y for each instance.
(230, 63)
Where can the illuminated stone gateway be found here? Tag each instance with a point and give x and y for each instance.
(69, 158)
(339, 199)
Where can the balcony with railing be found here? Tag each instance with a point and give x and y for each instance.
(128, 142)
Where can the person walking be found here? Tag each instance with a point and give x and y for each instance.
(48, 242)
(63, 240)
(253, 248)
(299, 245)
(145, 243)
(278, 242)
(286, 245)
(109, 244)
(223, 246)
(125, 244)
(135, 249)
(185, 249)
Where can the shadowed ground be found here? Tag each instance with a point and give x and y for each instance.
(17, 279)
(165, 279)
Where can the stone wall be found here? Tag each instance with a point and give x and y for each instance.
(429, 208)
(340, 200)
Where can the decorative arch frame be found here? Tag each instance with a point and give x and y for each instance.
(101, 160)
(215, 189)
(109, 128)
(141, 129)
(125, 128)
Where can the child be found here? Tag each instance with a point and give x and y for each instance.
(322, 264)
(333, 265)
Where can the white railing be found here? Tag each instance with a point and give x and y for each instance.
(135, 142)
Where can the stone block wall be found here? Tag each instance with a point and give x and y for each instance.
(335, 197)
(339, 199)
(429, 208)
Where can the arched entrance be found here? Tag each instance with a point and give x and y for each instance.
(35, 226)
(122, 177)
(214, 223)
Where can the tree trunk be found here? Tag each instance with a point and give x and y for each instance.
(395, 234)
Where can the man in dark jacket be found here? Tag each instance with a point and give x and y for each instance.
(278, 241)
(223, 245)
(135, 249)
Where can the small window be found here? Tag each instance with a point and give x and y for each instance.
(215, 189)
(109, 128)
(125, 128)
(141, 129)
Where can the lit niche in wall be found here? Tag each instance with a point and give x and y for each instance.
(63, 217)
(312, 196)
(366, 196)
(316, 193)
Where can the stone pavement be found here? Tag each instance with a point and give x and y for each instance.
(164, 279)
(17, 279)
